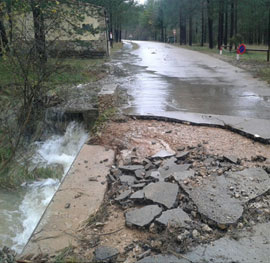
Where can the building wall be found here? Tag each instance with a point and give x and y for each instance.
(62, 43)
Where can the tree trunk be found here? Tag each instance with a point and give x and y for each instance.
(210, 23)
(232, 24)
(39, 30)
(190, 30)
(203, 33)
(183, 28)
(269, 27)
(221, 23)
(236, 17)
(226, 25)
(3, 37)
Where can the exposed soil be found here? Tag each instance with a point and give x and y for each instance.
(148, 137)
(136, 140)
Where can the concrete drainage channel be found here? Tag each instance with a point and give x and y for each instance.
(184, 206)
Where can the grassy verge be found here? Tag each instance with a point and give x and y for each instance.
(255, 62)
(74, 71)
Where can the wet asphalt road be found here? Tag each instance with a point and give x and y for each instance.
(168, 78)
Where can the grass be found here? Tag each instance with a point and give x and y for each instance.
(79, 71)
(14, 175)
(255, 62)
(74, 71)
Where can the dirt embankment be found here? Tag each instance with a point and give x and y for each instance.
(205, 150)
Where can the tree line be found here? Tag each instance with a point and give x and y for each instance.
(211, 22)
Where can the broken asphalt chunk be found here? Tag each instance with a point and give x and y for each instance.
(249, 183)
(160, 259)
(127, 179)
(123, 196)
(131, 168)
(182, 155)
(214, 201)
(176, 216)
(139, 195)
(231, 159)
(162, 193)
(183, 175)
(170, 167)
(142, 217)
(105, 254)
(163, 154)
(139, 174)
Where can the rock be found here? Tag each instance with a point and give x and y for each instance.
(207, 229)
(67, 205)
(231, 159)
(162, 193)
(163, 154)
(160, 259)
(127, 179)
(183, 175)
(105, 254)
(182, 155)
(214, 200)
(183, 236)
(123, 196)
(153, 228)
(131, 168)
(143, 216)
(195, 234)
(139, 195)
(177, 216)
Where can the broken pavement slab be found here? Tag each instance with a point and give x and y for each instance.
(257, 129)
(142, 217)
(183, 175)
(176, 216)
(163, 154)
(221, 198)
(160, 259)
(57, 226)
(162, 193)
(131, 168)
(169, 167)
(123, 195)
(105, 254)
(249, 183)
(249, 247)
(214, 201)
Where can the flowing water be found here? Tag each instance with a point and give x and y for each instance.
(20, 211)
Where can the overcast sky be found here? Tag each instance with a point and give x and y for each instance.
(141, 1)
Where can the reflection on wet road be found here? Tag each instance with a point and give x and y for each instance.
(167, 78)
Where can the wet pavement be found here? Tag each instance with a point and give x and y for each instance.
(167, 78)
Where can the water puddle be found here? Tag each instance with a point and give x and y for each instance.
(21, 211)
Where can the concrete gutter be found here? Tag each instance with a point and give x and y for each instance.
(256, 129)
(80, 195)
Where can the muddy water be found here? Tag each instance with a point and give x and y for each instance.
(20, 211)
(167, 78)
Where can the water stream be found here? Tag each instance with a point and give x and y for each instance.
(20, 211)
